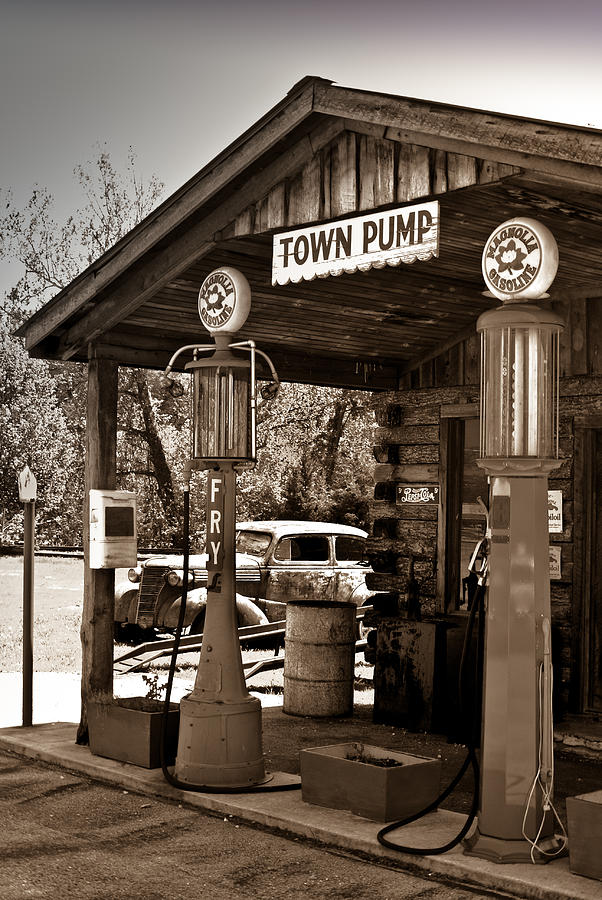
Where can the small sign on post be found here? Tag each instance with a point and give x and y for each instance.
(27, 495)
(27, 485)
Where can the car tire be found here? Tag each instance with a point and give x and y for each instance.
(127, 633)
(361, 630)
(198, 624)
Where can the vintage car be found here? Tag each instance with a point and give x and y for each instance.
(275, 562)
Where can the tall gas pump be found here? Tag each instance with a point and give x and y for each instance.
(220, 738)
(519, 447)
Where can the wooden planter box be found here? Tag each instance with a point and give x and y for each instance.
(129, 730)
(382, 793)
(585, 834)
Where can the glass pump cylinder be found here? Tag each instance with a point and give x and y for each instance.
(519, 382)
(222, 413)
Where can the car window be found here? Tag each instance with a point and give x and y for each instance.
(255, 543)
(349, 549)
(305, 548)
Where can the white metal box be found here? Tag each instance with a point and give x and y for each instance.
(113, 538)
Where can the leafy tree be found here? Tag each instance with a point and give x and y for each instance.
(314, 443)
(51, 255)
(35, 432)
(314, 457)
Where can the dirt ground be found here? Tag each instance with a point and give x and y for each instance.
(68, 837)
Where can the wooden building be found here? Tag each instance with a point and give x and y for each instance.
(326, 154)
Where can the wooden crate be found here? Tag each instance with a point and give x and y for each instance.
(585, 834)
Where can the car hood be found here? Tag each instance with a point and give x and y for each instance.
(245, 564)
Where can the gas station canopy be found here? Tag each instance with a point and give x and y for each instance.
(328, 154)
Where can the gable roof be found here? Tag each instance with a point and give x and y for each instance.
(322, 153)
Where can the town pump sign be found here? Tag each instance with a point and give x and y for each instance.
(389, 238)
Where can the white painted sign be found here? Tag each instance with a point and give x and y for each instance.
(215, 518)
(224, 300)
(555, 512)
(388, 237)
(421, 494)
(555, 563)
(27, 485)
(520, 260)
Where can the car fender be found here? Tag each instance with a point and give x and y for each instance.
(248, 612)
(361, 594)
(126, 601)
(169, 612)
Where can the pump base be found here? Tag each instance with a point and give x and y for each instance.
(504, 850)
(219, 743)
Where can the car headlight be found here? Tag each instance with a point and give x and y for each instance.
(174, 579)
(135, 574)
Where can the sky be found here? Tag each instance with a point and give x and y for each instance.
(178, 80)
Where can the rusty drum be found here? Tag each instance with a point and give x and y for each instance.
(319, 658)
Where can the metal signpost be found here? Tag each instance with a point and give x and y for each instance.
(27, 496)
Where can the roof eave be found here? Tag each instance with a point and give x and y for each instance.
(298, 103)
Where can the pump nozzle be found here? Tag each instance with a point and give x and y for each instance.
(172, 387)
(270, 391)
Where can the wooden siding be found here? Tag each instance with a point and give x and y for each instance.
(357, 172)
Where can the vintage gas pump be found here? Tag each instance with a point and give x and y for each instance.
(220, 739)
(519, 447)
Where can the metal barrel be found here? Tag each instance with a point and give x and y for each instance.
(319, 658)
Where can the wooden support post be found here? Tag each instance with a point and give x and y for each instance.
(99, 584)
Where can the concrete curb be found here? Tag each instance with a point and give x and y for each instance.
(286, 813)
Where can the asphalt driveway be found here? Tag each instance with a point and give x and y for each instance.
(66, 836)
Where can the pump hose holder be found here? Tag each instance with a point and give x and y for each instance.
(471, 757)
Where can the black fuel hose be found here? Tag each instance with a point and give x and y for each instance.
(168, 775)
(471, 756)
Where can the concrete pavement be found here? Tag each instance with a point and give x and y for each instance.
(285, 812)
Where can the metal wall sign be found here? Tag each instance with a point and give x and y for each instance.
(418, 494)
(555, 512)
(555, 562)
(389, 237)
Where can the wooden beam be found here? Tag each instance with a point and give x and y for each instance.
(562, 150)
(331, 371)
(544, 182)
(462, 335)
(127, 354)
(300, 367)
(145, 278)
(99, 584)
